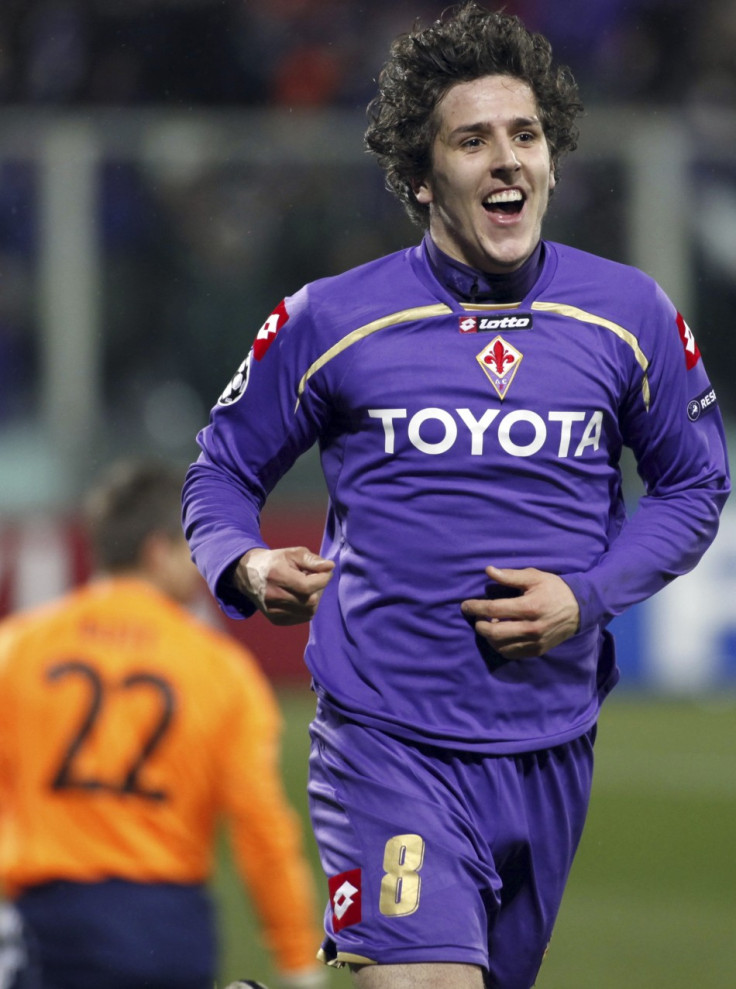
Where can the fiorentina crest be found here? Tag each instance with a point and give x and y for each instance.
(500, 361)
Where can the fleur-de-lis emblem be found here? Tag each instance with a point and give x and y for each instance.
(499, 357)
(500, 362)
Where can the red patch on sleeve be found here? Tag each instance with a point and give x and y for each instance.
(267, 333)
(692, 354)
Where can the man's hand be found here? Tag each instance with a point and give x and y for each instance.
(285, 584)
(544, 614)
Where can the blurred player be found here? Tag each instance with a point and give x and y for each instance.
(129, 730)
(471, 398)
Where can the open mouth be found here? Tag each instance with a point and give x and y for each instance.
(506, 201)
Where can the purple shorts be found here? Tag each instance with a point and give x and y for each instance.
(438, 856)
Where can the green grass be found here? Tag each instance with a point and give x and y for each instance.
(652, 897)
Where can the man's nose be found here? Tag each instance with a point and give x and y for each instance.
(504, 157)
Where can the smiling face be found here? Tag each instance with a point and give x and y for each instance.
(491, 175)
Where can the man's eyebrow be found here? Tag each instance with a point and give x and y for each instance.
(484, 125)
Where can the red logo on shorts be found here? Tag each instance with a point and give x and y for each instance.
(267, 333)
(692, 354)
(345, 897)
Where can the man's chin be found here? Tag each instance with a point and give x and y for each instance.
(504, 260)
(493, 265)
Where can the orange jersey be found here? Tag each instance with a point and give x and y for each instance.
(128, 729)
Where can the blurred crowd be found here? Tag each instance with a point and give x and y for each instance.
(326, 52)
(193, 263)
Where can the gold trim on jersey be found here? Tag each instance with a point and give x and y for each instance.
(440, 309)
(489, 306)
(626, 335)
(343, 958)
(404, 316)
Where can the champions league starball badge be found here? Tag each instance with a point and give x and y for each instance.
(238, 383)
(264, 338)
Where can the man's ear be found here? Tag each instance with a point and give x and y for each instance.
(423, 191)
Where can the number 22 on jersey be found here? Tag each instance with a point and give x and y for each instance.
(99, 694)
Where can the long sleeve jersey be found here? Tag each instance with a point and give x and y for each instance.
(129, 728)
(453, 435)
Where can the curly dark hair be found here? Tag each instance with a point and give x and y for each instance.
(465, 43)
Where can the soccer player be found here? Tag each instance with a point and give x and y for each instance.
(471, 397)
(129, 729)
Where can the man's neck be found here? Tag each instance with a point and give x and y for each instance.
(471, 285)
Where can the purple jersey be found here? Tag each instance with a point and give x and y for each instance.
(452, 436)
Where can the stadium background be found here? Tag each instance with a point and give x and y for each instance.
(170, 169)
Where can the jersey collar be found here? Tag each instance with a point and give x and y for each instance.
(467, 284)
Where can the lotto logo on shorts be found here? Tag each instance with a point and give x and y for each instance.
(345, 898)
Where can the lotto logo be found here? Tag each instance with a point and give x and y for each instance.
(692, 354)
(345, 898)
(522, 321)
(267, 333)
(476, 324)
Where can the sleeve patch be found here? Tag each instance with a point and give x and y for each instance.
(237, 384)
(692, 354)
(698, 406)
(264, 338)
(267, 333)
